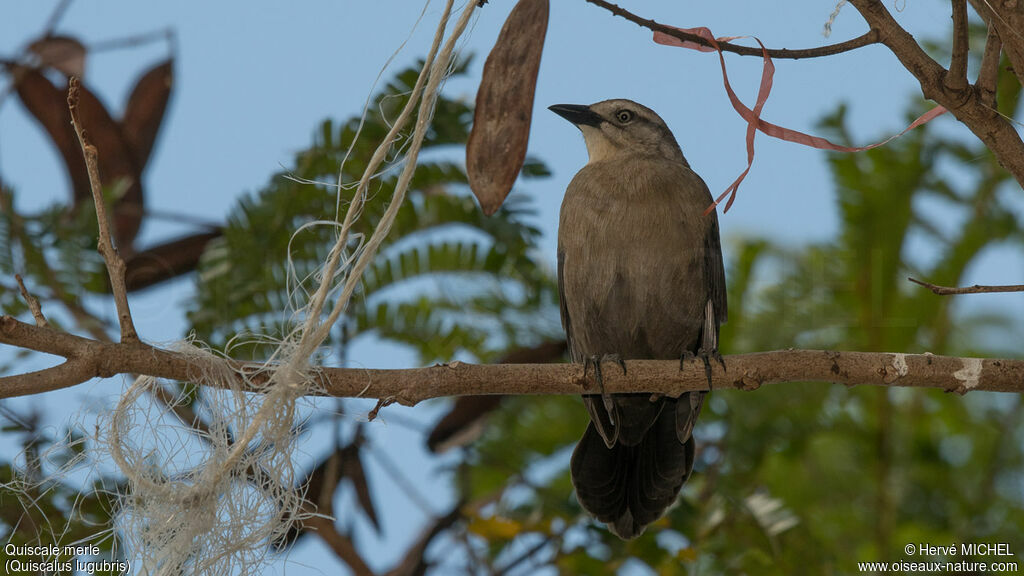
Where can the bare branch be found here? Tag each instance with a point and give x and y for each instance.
(55, 17)
(871, 37)
(64, 375)
(115, 264)
(186, 415)
(33, 304)
(1007, 17)
(83, 318)
(340, 543)
(976, 289)
(410, 386)
(92, 357)
(956, 79)
(399, 477)
(988, 75)
(414, 561)
(553, 540)
(996, 132)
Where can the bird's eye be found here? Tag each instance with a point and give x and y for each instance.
(624, 116)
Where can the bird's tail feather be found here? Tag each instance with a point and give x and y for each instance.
(629, 487)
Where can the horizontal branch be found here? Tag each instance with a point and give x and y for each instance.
(868, 38)
(91, 358)
(88, 359)
(976, 289)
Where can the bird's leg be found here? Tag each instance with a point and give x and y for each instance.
(596, 360)
(706, 356)
(687, 355)
(617, 359)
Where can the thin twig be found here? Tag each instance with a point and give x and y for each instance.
(545, 541)
(976, 289)
(115, 264)
(398, 477)
(85, 320)
(55, 16)
(868, 38)
(33, 304)
(988, 75)
(340, 543)
(956, 78)
(414, 560)
(132, 41)
(89, 322)
(186, 415)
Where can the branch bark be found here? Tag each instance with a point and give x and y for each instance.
(90, 358)
(115, 264)
(956, 80)
(1007, 18)
(988, 74)
(340, 543)
(871, 37)
(976, 289)
(998, 135)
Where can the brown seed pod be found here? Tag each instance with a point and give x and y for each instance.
(504, 105)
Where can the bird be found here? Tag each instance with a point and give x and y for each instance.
(640, 276)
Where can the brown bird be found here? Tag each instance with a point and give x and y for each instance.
(640, 275)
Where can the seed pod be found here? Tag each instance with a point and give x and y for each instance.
(504, 105)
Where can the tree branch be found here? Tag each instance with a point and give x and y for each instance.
(83, 318)
(871, 37)
(410, 386)
(340, 543)
(414, 561)
(65, 375)
(115, 264)
(988, 75)
(976, 289)
(1007, 18)
(92, 358)
(998, 135)
(957, 77)
(33, 304)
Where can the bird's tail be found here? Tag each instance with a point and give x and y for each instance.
(628, 487)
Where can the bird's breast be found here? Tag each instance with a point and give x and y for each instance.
(632, 273)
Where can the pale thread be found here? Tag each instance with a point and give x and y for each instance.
(215, 505)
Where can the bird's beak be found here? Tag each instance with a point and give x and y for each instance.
(578, 115)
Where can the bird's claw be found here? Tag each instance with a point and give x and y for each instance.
(596, 361)
(706, 356)
(686, 357)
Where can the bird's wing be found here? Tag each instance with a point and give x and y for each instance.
(598, 414)
(574, 354)
(714, 269)
(715, 311)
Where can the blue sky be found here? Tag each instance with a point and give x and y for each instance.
(254, 80)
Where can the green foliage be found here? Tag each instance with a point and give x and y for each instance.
(54, 251)
(447, 279)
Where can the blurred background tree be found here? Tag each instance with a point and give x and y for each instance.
(801, 478)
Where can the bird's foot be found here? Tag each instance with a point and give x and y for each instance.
(686, 357)
(596, 361)
(706, 357)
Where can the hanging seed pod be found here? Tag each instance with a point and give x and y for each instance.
(504, 105)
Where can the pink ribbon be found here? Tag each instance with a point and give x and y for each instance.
(753, 117)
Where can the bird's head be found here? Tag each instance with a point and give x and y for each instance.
(621, 127)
